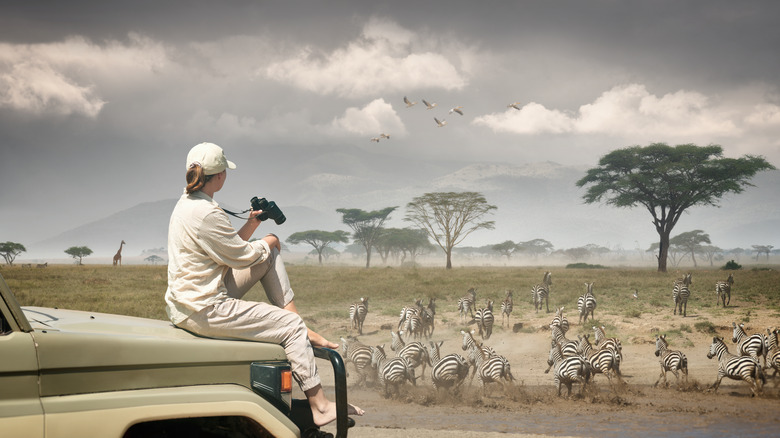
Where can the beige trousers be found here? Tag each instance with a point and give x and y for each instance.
(257, 321)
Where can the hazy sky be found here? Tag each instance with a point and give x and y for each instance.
(100, 101)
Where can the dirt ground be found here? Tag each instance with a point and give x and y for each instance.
(531, 407)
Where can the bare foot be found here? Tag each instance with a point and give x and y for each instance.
(328, 413)
(318, 340)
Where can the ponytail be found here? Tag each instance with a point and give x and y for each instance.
(196, 178)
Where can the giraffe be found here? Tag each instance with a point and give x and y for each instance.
(118, 255)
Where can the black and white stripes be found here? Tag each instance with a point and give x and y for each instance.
(680, 294)
(752, 345)
(541, 292)
(357, 314)
(670, 360)
(736, 367)
(723, 291)
(586, 303)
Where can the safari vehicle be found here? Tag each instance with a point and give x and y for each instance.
(66, 373)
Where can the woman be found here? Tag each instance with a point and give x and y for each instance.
(211, 267)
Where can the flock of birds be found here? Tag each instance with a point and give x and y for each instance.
(572, 361)
(439, 123)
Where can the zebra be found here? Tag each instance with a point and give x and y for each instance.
(541, 292)
(357, 314)
(736, 367)
(414, 352)
(474, 351)
(586, 303)
(427, 316)
(680, 294)
(391, 372)
(602, 360)
(568, 370)
(602, 341)
(566, 347)
(494, 369)
(359, 355)
(466, 304)
(506, 308)
(752, 345)
(406, 310)
(450, 371)
(414, 325)
(723, 290)
(670, 360)
(484, 318)
(773, 351)
(560, 320)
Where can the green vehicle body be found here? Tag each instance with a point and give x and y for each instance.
(66, 373)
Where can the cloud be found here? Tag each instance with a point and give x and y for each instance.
(383, 59)
(627, 111)
(376, 117)
(59, 78)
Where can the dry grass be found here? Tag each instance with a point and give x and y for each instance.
(325, 292)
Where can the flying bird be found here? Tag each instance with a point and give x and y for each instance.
(429, 105)
(383, 135)
(408, 102)
(440, 123)
(376, 139)
(515, 105)
(457, 109)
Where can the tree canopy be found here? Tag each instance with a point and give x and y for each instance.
(9, 251)
(366, 225)
(691, 241)
(449, 217)
(318, 239)
(78, 253)
(667, 180)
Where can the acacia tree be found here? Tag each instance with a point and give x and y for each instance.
(506, 248)
(318, 239)
(535, 247)
(154, 259)
(762, 249)
(449, 217)
(402, 241)
(78, 253)
(667, 181)
(710, 253)
(9, 251)
(691, 242)
(366, 226)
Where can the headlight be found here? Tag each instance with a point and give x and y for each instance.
(273, 382)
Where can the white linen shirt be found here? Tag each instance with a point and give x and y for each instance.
(202, 246)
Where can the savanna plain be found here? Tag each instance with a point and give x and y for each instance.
(529, 406)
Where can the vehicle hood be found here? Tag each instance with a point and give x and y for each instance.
(88, 352)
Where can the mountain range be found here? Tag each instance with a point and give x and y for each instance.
(538, 200)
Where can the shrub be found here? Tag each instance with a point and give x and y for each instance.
(584, 266)
(731, 265)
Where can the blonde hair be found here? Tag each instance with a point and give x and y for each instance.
(196, 178)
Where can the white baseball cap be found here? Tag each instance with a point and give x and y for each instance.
(210, 157)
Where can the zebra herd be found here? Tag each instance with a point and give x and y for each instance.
(448, 372)
(573, 361)
(681, 292)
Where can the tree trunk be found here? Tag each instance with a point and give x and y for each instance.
(663, 250)
(449, 259)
